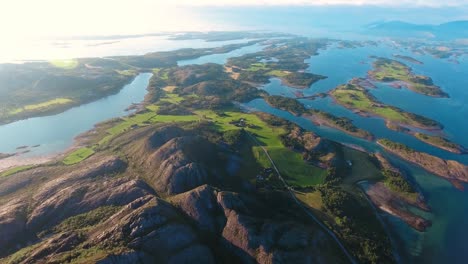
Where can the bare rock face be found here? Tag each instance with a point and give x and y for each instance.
(127, 257)
(251, 236)
(157, 229)
(174, 170)
(163, 135)
(57, 244)
(12, 221)
(201, 205)
(82, 197)
(196, 223)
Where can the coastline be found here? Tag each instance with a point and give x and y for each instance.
(369, 114)
(324, 122)
(17, 160)
(63, 108)
(447, 169)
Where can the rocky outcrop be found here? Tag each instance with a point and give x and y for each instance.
(57, 195)
(201, 205)
(83, 197)
(195, 222)
(173, 168)
(396, 205)
(245, 231)
(12, 222)
(155, 228)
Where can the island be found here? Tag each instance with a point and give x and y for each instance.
(316, 116)
(228, 35)
(341, 123)
(441, 142)
(408, 58)
(283, 59)
(357, 98)
(400, 75)
(449, 169)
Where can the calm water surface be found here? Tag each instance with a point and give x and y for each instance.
(56, 133)
(445, 241)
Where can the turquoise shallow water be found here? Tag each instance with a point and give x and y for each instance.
(445, 241)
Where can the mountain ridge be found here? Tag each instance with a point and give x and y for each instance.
(445, 31)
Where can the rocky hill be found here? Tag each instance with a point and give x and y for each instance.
(157, 194)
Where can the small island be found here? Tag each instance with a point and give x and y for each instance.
(283, 59)
(442, 143)
(392, 71)
(408, 58)
(359, 99)
(449, 169)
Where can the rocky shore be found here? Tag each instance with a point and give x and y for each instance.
(398, 201)
(449, 169)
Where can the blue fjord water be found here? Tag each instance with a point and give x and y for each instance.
(445, 241)
(56, 133)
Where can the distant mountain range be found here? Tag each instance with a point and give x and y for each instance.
(446, 31)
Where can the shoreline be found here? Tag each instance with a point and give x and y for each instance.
(368, 114)
(63, 108)
(17, 160)
(324, 122)
(448, 169)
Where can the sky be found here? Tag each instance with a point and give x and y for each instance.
(29, 18)
(26, 25)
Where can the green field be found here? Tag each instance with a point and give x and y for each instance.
(356, 97)
(15, 170)
(43, 105)
(127, 72)
(65, 64)
(390, 70)
(258, 66)
(295, 170)
(387, 70)
(172, 98)
(352, 97)
(78, 156)
(278, 73)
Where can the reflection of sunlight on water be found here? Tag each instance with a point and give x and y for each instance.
(35, 49)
